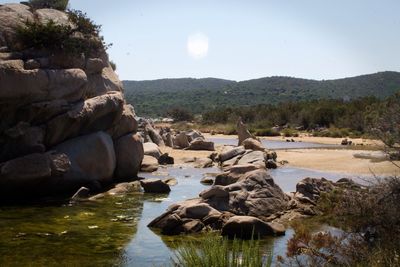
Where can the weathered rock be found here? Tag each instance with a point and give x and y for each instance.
(309, 189)
(271, 164)
(168, 223)
(253, 144)
(31, 64)
(167, 138)
(254, 157)
(165, 159)
(171, 181)
(246, 227)
(21, 140)
(216, 191)
(92, 161)
(154, 135)
(89, 116)
(181, 141)
(231, 152)
(149, 164)
(201, 144)
(46, 15)
(207, 180)
(33, 175)
(242, 131)
(129, 154)
(94, 65)
(191, 226)
(151, 149)
(203, 163)
(254, 194)
(126, 124)
(193, 134)
(12, 16)
(197, 211)
(154, 186)
(102, 83)
(27, 86)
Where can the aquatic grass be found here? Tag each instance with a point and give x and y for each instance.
(218, 251)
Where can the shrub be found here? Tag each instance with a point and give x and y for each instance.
(266, 132)
(113, 65)
(290, 133)
(214, 251)
(84, 38)
(180, 114)
(55, 4)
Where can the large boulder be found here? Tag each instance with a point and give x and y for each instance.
(129, 154)
(149, 164)
(230, 152)
(155, 186)
(154, 135)
(246, 227)
(151, 149)
(92, 162)
(201, 144)
(23, 139)
(127, 123)
(242, 131)
(102, 83)
(253, 157)
(12, 16)
(88, 116)
(33, 175)
(254, 194)
(43, 84)
(181, 140)
(253, 144)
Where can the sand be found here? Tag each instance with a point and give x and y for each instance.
(331, 160)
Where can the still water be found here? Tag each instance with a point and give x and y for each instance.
(113, 231)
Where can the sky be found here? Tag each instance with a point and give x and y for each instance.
(246, 39)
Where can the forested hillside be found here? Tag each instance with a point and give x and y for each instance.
(155, 98)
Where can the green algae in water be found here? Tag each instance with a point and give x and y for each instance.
(83, 234)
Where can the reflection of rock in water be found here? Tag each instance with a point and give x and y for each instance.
(84, 234)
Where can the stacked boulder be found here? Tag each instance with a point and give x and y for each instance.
(64, 122)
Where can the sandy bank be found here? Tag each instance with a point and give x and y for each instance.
(331, 160)
(309, 139)
(334, 160)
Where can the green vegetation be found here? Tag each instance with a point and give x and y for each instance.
(55, 4)
(215, 251)
(180, 114)
(154, 98)
(330, 118)
(83, 37)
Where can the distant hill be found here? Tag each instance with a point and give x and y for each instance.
(155, 97)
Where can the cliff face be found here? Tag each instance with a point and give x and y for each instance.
(63, 117)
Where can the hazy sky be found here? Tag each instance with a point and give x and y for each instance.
(238, 40)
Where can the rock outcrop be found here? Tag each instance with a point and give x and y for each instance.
(64, 122)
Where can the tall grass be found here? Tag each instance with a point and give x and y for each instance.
(216, 251)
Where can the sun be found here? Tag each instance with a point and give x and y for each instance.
(197, 45)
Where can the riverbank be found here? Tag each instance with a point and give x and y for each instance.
(341, 160)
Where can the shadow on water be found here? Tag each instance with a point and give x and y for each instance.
(83, 234)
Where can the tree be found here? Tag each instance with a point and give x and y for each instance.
(180, 114)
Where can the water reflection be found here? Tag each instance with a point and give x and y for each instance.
(85, 234)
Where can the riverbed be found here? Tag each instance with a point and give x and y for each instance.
(113, 230)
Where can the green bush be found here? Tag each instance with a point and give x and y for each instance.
(265, 132)
(290, 133)
(214, 251)
(55, 4)
(84, 38)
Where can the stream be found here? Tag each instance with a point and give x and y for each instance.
(113, 231)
